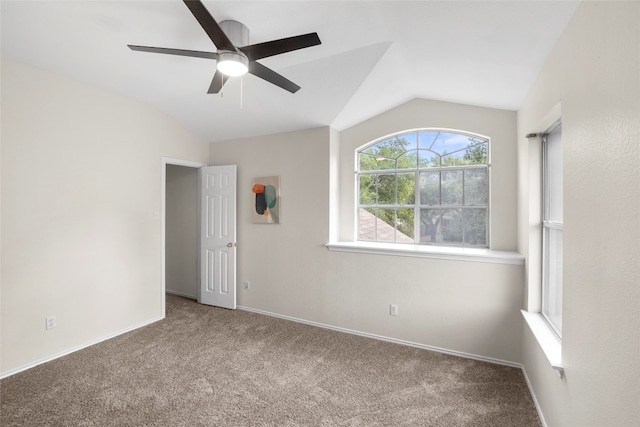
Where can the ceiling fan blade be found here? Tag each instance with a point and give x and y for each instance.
(181, 52)
(271, 76)
(210, 26)
(217, 82)
(276, 47)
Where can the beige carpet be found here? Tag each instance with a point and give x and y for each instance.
(205, 366)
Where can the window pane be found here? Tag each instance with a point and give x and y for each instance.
(552, 281)
(476, 154)
(450, 142)
(371, 163)
(452, 187)
(405, 221)
(367, 189)
(409, 160)
(452, 226)
(366, 162)
(366, 224)
(385, 225)
(476, 187)
(453, 159)
(373, 150)
(392, 147)
(430, 188)
(472, 154)
(425, 139)
(475, 227)
(406, 188)
(554, 175)
(383, 163)
(409, 141)
(430, 230)
(386, 186)
(428, 159)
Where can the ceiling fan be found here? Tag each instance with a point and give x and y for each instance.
(235, 58)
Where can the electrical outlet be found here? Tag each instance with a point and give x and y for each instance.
(247, 285)
(393, 309)
(50, 322)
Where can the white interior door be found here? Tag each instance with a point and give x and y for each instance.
(218, 236)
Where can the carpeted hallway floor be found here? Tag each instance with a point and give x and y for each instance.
(204, 366)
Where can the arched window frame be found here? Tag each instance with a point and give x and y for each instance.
(440, 218)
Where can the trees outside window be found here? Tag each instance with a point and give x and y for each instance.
(428, 186)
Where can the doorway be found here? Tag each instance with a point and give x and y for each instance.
(180, 228)
(181, 231)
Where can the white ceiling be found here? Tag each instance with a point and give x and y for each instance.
(374, 56)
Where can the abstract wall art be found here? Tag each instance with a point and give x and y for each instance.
(265, 206)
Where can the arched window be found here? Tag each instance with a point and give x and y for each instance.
(427, 186)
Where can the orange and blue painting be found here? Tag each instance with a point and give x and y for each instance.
(266, 200)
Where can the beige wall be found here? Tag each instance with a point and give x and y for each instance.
(594, 73)
(467, 307)
(181, 237)
(285, 262)
(81, 180)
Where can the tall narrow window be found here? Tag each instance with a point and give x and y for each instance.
(552, 228)
(429, 186)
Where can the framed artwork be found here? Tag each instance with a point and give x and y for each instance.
(265, 206)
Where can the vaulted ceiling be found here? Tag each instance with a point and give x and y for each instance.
(374, 56)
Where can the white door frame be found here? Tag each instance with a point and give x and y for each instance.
(177, 162)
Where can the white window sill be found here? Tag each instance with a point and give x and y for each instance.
(547, 339)
(429, 251)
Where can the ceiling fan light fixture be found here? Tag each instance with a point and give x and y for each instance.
(233, 64)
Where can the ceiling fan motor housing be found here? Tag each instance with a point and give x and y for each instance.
(236, 31)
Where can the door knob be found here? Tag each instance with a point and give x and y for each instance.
(229, 245)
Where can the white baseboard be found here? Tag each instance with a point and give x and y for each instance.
(76, 348)
(535, 399)
(387, 339)
(181, 294)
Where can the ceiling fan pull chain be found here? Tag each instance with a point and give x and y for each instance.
(241, 80)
